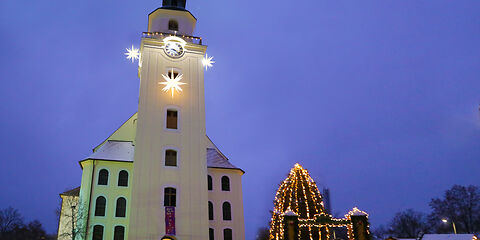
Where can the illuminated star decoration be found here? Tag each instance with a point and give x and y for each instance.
(132, 54)
(172, 83)
(207, 62)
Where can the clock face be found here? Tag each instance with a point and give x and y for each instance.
(173, 49)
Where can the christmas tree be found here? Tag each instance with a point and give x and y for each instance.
(299, 194)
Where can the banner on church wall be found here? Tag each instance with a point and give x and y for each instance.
(170, 220)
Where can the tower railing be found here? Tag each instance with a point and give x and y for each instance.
(161, 35)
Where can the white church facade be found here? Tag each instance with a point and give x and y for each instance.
(159, 176)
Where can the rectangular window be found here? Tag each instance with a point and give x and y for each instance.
(171, 158)
(172, 119)
(169, 198)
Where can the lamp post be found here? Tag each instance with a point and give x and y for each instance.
(445, 220)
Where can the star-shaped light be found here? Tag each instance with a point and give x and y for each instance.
(207, 62)
(172, 83)
(132, 54)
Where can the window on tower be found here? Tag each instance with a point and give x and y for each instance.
(169, 197)
(172, 119)
(171, 158)
(172, 25)
(172, 74)
(103, 177)
(210, 234)
(225, 183)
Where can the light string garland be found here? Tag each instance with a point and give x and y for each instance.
(299, 194)
(162, 34)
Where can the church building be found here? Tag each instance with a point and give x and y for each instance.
(159, 176)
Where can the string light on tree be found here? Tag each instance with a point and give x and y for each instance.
(297, 193)
(207, 62)
(133, 53)
(172, 82)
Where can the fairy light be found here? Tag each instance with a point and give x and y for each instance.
(161, 34)
(299, 194)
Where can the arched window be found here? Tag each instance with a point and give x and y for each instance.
(169, 197)
(123, 178)
(103, 177)
(119, 233)
(227, 234)
(100, 205)
(173, 25)
(172, 114)
(121, 207)
(225, 183)
(210, 182)
(210, 210)
(171, 158)
(210, 234)
(227, 211)
(97, 232)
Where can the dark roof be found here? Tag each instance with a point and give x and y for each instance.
(217, 160)
(173, 8)
(72, 192)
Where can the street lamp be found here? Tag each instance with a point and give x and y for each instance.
(445, 220)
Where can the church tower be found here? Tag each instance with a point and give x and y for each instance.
(169, 192)
(159, 176)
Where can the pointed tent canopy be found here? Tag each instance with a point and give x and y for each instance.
(299, 194)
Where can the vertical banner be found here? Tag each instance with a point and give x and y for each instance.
(170, 220)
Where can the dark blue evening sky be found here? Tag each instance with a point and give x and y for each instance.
(377, 99)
